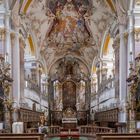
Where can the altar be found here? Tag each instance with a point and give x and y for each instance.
(69, 119)
(69, 122)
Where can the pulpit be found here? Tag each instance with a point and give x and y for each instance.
(69, 119)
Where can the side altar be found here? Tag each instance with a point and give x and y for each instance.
(69, 119)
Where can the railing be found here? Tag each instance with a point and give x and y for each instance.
(54, 131)
(92, 130)
(84, 130)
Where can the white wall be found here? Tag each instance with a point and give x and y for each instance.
(32, 97)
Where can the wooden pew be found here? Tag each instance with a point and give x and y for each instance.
(26, 136)
(111, 135)
(120, 138)
(20, 137)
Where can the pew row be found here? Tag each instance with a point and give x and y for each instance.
(120, 138)
(23, 136)
(117, 136)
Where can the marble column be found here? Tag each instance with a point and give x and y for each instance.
(21, 51)
(131, 60)
(123, 65)
(131, 40)
(16, 67)
(122, 19)
(7, 34)
(7, 44)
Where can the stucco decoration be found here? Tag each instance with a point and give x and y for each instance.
(122, 7)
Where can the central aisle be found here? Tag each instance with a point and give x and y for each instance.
(81, 138)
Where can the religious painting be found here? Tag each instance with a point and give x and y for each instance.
(69, 95)
(81, 98)
(54, 4)
(57, 96)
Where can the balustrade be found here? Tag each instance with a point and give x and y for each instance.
(92, 130)
(84, 130)
(54, 131)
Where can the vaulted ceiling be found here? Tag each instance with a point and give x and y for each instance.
(72, 28)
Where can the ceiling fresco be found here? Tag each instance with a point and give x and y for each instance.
(68, 27)
(69, 31)
(80, 5)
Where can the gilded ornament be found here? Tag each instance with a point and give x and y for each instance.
(138, 2)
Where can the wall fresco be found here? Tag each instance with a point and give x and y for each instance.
(81, 99)
(58, 106)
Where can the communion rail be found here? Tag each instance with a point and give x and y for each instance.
(92, 130)
(83, 130)
(54, 131)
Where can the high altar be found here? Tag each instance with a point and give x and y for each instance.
(69, 93)
(69, 119)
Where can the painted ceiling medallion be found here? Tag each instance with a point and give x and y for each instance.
(69, 29)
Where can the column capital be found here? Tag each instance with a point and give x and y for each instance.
(12, 35)
(7, 30)
(121, 13)
(137, 33)
(125, 35)
(130, 12)
(2, 31)
(137, 2)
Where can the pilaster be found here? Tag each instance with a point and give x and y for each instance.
(116, 48)
(21, 51)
